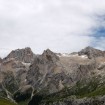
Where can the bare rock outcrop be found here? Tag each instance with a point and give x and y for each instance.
(92, 52)
(26, 55)
(42, 71)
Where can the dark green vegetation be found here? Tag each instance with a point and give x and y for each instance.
(6, 102)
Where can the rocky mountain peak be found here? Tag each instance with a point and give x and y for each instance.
(45, 58)
(91, 52)
(49, 55)
(26, 55)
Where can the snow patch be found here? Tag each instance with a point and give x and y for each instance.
(26, 64)
(72, 55)
(83, 56)
(63, 55)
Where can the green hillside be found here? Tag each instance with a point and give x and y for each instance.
(6, 102)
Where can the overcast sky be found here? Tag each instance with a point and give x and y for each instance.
(60, 25)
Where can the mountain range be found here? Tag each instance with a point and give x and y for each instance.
(53, 78)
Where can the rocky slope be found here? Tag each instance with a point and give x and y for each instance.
(26, 55)
(52, 78)
(92, 52)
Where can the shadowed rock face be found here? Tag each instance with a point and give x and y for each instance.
(91, 52)
(26, 55)
(23, 93)
(0, 60)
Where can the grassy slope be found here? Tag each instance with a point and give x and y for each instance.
(6, 102)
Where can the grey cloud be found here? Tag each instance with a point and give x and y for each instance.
(62, 26)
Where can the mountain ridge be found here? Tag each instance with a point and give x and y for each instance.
(26, 76)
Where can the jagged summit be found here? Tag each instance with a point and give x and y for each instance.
(49, 55)
(91, 52)
(25, 55)
(46, 57)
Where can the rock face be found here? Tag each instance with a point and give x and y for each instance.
(13, 71)
(54, 79)
(46, 72)
(25, 55)
(91, 52)
(49, 55)
(0, 60)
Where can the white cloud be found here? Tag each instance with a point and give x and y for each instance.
(61, 25)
